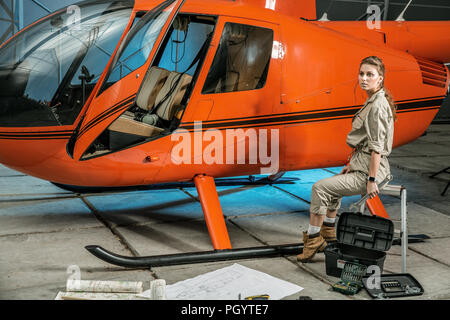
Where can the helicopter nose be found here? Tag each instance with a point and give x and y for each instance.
(32, 152)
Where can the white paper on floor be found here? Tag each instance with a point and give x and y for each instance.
(227, 283)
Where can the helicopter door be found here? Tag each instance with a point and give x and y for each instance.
(238, 87)
(124, 76)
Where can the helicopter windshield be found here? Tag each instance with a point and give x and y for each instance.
(48, 70)
(138, 44)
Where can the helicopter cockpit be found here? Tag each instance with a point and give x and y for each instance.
(48, 70)
(241, 63)
(164, 92)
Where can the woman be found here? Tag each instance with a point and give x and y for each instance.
(371, 140)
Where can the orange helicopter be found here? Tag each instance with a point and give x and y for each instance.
(131, 93)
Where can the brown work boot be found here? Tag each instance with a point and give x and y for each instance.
(311, 245)
(328, 232)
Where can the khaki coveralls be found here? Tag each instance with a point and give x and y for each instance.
(372, 129)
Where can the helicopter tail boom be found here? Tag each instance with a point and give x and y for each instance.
(425, 39)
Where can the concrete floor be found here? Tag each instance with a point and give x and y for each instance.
(43, 229)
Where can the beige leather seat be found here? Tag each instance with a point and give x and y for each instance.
(243, 73)
(151, 87)
(236, 36)
(166, 107)
(230, 83)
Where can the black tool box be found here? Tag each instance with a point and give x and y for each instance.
(362, 239)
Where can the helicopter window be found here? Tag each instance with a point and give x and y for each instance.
(186, 38)
(40, 68)
(138, 44)
(102, 52)
(242, 59)
(165, 89)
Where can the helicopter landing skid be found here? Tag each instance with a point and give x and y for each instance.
(218, 232)
(205, 256)
(194, 257)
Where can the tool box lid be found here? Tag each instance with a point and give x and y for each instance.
(370, 232)
(393, 285)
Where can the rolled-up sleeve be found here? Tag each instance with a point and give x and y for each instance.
(376, 126)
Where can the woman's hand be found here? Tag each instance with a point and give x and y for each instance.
(345, 170)
(372, 189)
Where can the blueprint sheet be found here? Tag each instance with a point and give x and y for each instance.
(227, 283)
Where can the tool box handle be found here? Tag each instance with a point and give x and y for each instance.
(363, 235)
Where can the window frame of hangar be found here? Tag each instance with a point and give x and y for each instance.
(249, 24)
(198, 67)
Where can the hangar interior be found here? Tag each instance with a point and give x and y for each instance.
(43, 228)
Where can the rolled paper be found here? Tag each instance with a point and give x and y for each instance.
(104, 286)
(158, 289)
(96, 296)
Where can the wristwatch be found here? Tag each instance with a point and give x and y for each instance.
(371, 179)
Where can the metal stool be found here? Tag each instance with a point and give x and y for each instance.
(393, 190)
(396, 190)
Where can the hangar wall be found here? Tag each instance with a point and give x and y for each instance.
(356, 9)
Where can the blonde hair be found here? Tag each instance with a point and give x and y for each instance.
(378, 63)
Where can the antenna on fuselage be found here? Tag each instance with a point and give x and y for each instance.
(400, 17)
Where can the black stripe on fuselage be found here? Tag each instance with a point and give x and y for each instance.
(357, 107)
(306, 116)
(106, 114)
(36, 135)
(258, 121)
